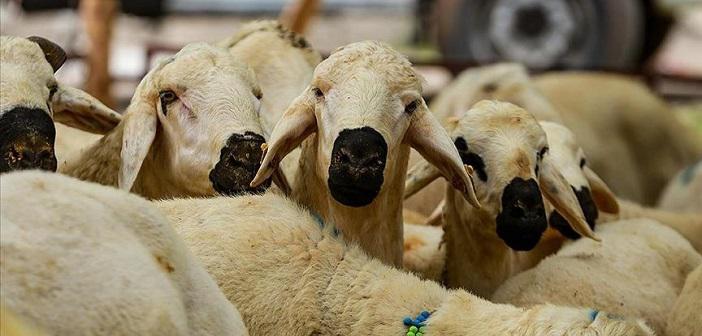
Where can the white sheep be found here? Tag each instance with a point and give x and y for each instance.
(282, 60)
(31, 98)
(288, 273)
(356, 122)
(684, 191)
(615, 117)
(192, 129)
(685, 318)
(509, 152)
(83, 259)
(637, 270)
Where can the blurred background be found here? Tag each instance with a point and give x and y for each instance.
(112, 43)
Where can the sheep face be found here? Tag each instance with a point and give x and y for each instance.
(591, 191)
(30, 96)
(199, 110)
(365, 105)
(505, 146)
(509, 152)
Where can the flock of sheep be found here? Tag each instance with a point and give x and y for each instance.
(253, 188)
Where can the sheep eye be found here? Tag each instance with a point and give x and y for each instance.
(411, 107)
(166, 98)
(52, 90)
(541, 153)
(582, 163)
(536, 170)
(318, 93)
(259, 95)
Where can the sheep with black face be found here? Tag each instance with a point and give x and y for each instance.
(31, 99)
(358, 119)
(192, 129)
(509, 152)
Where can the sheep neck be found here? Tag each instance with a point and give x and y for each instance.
(100, 162)
(377, 227)
(476, 258)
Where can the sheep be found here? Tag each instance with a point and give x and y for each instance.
(425, 255)
(79, 258)
(507, 82)
(31, 99)
(617, 109)
(289, 273)
(356, 122)
(191, 129)
(685, 318)
(637, 270)
(684, 192)
(283, 62)
(509, 152)
(606, 119)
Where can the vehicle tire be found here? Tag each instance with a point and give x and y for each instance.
(543, 33)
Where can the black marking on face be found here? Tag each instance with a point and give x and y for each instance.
(589, 209)
(582, 163)
(166, 97)
(471, 158)
(357, 164)
(27, 140)
(239, 160)
(522, 220)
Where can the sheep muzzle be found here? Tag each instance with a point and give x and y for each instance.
(239, 160)
(357, 164)
(522, 220)
(590, 211)
(27, 140)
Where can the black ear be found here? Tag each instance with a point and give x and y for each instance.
(54, 54)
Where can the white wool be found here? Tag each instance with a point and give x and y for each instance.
(83, 259)
(637, 270)
(684, 191)
(289, 273)
(685, 318)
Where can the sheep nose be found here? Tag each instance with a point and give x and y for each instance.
(239, 160)
(27, 140)
(589, 208)
(522, 220)
(357, 163)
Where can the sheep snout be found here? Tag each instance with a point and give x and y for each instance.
(590, 211)
(239, 160)
(522, 220)
(357, 163)
(27, 140)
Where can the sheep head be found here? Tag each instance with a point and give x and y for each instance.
(592, 193)
(508, 82)
(509, 152)
(30, 97)
(366, 107)
(197, 114)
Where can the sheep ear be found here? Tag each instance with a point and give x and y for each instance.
(53, 53)
(75, 108)
(557, 191)
(140, 123)
(426, 135)
(419, 176)
(294, 126)
(604, 197)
